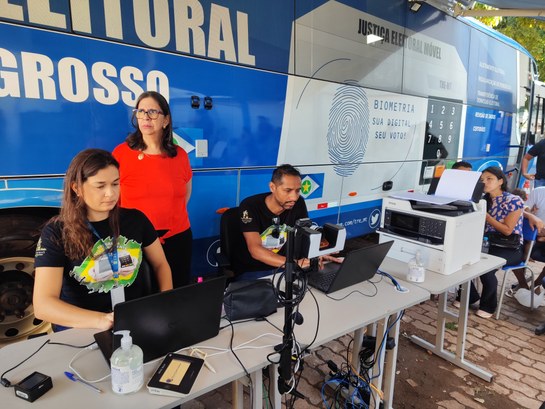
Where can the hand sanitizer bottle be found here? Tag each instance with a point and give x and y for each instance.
(127, 364)
(416, 272)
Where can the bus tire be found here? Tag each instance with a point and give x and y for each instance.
(20, 234)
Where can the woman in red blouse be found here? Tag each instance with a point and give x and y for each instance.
(156, 179)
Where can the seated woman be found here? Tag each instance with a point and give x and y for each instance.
(504, 216)
(93, 249)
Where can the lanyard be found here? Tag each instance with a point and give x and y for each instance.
(112, 255)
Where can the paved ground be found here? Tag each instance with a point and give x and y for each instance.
(507, 347)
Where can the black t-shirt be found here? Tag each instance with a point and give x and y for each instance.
(538, 150)
(86, 283)
(255, 216)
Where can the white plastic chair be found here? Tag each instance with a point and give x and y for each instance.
(529, 237)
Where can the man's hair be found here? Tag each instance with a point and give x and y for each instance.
(282, 170)
(462, 164)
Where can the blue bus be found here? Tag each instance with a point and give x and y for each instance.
(364, 97)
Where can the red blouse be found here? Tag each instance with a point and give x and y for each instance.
(155, 185)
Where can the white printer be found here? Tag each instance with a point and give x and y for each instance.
(448, 233)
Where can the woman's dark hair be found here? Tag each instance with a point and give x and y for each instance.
(76, 235)
(496, 171)
(136, 141)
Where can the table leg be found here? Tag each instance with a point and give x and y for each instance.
(438, 349)
(274, 393)
(377, 370)
(256, 392)
(238, 394)
(257, 384)
(390, 368)
(358, 339)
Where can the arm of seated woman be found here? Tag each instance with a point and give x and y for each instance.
(159, 264)
(508, 224)
(49, 307)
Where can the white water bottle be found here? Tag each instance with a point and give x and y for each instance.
(416, 272)
(127, 364)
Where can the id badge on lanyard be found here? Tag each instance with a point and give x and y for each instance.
(117, 294)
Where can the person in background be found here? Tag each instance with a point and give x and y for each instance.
(538, 150)
(462, 165)
(156, 179)
(535, 205)
(520, 193)
(504, 216)
(92, 247)
(264, 222)
(534, 211)
(531, 213)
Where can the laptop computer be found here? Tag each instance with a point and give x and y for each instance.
(167, 321)
(358, 265)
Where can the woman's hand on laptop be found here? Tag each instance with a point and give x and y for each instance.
(106, 321)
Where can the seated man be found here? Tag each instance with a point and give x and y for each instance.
(264, 219)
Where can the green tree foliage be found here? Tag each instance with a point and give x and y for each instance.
(528, 32)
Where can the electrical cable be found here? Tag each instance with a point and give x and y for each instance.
(237, 322)
(274, 326)
(300, 281)
(6, 383)
(317, 320)
(355, 291)
(240, 362)
(366, 366)
(396, 284)
(75, 371)
(300, 285)
(384, 338)
(74, 346)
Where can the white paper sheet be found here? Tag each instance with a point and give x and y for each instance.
(422, 197)
(453, 185)
(457, 184)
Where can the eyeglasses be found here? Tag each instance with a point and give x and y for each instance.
(151, 113)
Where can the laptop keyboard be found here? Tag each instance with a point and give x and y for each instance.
(322, 281)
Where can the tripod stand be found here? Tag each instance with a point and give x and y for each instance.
(286, 348)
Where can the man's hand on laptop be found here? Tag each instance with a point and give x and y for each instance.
(330, 258)
(303, 263)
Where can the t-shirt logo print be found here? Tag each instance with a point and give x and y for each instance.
(245, 217)
(95, 272)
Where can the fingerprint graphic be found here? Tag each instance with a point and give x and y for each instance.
(348, 130)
